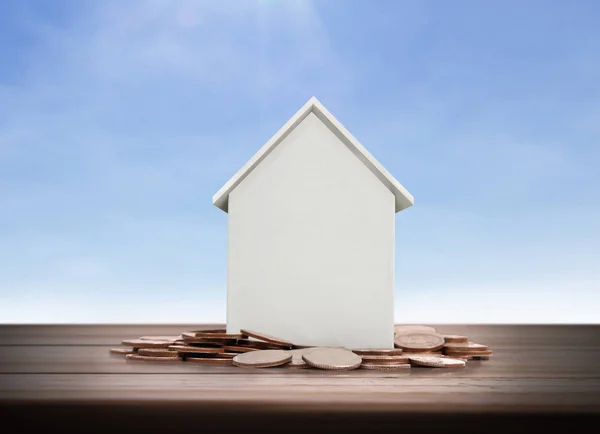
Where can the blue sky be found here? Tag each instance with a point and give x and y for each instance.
(120, 120)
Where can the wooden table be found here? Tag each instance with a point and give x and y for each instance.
(64, 376)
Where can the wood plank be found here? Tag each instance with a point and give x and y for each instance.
(183, 416)
(497, 336)
(506, 363)
(88, 334)
(548, 368)
(349, 392)
(541, 377)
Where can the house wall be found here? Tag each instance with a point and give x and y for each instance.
(311, 246)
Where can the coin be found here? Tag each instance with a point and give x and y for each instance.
(297, 360)
(160, 338)
(193, 332)
(140, 343)
(423, 353)
(419, 341)
(332, 359)
(261, 345)
(385, 366)
(122, 351)
(239, 348)
(454, 356)
(194, 350)
(266, 338)
(188, 335)
(414, 344)
(210, 360)
(157, 352)
(226, 355)
(219, 335)
(262, 358)
(152, 359)
(208, 337)
(189, 339)
(384, 359)
(465, 346)
(480, 353)
(203, 344)
(437, 362)
(455, 338)
(378, 351)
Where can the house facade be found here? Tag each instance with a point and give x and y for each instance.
(311, 236)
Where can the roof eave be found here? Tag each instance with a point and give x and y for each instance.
(403, 199)
(221, 198)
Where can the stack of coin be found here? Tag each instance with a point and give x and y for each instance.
(382, 359)
(149, 349)
(414, 345)
(468, 350)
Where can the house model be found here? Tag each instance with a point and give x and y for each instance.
(311, 237)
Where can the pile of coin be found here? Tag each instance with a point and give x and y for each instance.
(414, 346)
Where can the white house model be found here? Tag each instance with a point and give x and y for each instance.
(311, 237)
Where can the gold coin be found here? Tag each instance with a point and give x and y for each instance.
(419, 341)
(385, 366)
(266, 338)
(141, 343)
(465, 346)
(157, 352)
(137, 357)
(437, 362)
(332, 358)
(122, 351)
(384, 359)
(187, 349)
(378, 351)
(262, 358)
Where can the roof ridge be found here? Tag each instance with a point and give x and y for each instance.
(403, 198)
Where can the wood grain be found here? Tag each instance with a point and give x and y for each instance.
(547, 370)
(505, 363)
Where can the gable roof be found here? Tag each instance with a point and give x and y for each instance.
(403, 198)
